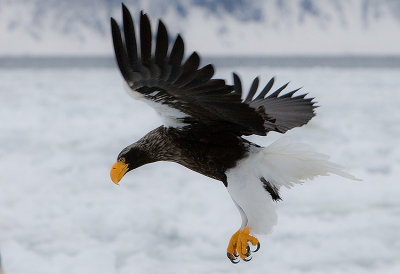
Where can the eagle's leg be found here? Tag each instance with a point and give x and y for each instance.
(239, 245)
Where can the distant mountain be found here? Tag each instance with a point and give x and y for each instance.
(245, 27)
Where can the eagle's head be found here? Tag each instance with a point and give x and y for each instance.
(128, 159)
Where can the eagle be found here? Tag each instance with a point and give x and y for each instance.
(205, 122)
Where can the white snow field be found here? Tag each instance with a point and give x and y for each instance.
(62, 129)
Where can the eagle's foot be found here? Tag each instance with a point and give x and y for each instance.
(239, 246)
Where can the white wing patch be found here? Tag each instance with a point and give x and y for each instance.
(171, 117)
(283, 163)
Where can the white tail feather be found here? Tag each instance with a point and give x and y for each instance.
(283, 163)
(287, 163)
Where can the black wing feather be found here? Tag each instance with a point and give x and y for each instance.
(237, 85)
(189, 70)
(276, 93)
(145, 39)
(130, 37)
(176, 56)
(203, 75)
(280, 113)
(120, 52)
(289, 94)
(252, 90)
(266, 89)
(161, 44)
(175, 59)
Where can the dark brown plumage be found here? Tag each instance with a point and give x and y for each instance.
(200, 151)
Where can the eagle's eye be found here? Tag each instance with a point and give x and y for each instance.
(122, 160)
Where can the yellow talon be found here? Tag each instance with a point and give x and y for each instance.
(233, 244)
(238, 245)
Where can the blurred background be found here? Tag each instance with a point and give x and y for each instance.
(213, 27)
(64, 117)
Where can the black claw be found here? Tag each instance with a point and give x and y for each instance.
(248, 252)
(231, 258)
(248, 259)
(258, 248)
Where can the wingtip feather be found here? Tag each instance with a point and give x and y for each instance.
(266, 89)
(124, 8)
(252, 90)
(237, 84)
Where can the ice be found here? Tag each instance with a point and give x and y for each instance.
(62, 129)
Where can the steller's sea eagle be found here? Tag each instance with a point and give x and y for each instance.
(204, 121)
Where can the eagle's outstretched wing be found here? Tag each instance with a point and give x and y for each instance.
(188, 96)
(181, 92)
(280, 113)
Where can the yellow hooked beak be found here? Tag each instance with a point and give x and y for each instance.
(118, 171)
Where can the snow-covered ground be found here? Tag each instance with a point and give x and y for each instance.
(61, 130)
